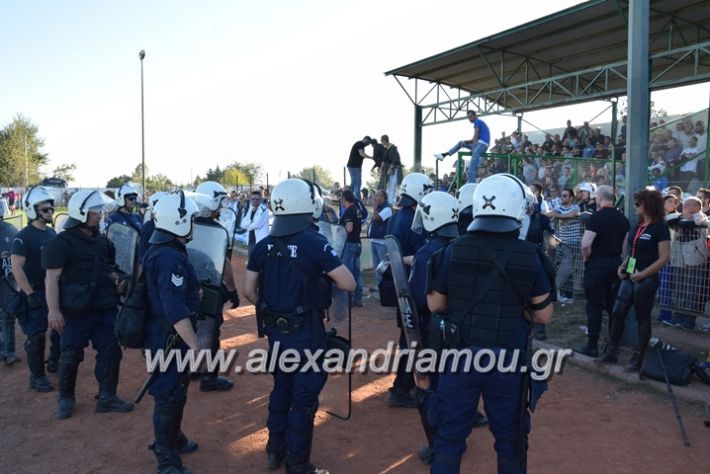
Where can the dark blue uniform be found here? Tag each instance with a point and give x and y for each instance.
(458, 393)
(284, 288)
(132, 219)
(146, 232)
(86, 263)
(28, 243)
(173, 295)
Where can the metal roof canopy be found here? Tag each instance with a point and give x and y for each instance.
(572, 56)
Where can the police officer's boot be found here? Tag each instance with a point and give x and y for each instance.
(303, 466)
(425, 452)
(34, 346)
(211, 381)
(182, 443)
(275, 451)
(107, 400)
(66, 380)
(53, 361)
(8, 328)
(644, 334)
(166, 427)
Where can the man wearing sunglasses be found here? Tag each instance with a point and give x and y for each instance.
(28, 272)
(126, 199)
(256, 220)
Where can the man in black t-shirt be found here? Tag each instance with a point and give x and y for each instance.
(353, 248)
(602, 245)
(357, 155)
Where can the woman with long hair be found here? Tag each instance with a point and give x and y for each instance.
(649, 249)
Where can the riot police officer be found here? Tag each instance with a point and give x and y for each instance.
(493, 286)
(149, 223)
(282, 281)
(7, 317)
(414, 187)
(173, 295)
(465, 206)
(126, 199)
(82, 293)
(29, 275)
(217, 195)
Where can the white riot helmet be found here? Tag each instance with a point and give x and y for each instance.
(465, 197)
(413, 188)
(589, 187)
(437, 213)
(216, 192)
(125, 191)
(173, 215)
(293, 205)
(500, 204)
(36, 195)
(154, 198)
(318, 200)
(85, 201)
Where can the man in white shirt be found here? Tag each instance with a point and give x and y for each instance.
(689, 169)
(256, 220)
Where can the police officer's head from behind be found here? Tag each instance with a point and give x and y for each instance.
(500, 204)
(437, 214)
(86, 208)
(413, 188)
(39, 205)
(293, 205)
(173, 215)
(217, 195)
(127, 197)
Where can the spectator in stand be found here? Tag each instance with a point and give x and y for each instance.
(689, 169)
(584, 132)
(569, 231)
(589, 149)
(701, 135)
(658, 179)
(565, 178)
(529, 171)
(570, 131)
(620, 147)
(602, 244)
(673, 152)
(381, 212)
(585, 198)
(597, 137)
(689, 262)
(649, 250)
(547, 144)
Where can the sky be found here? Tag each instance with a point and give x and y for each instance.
(287, 84)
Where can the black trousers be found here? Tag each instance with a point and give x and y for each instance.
(600, 282)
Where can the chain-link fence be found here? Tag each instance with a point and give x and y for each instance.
(564, 249)
(685, 282)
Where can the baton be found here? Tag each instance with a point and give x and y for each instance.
(678, 416)
(170, 345)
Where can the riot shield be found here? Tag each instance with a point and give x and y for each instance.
(228, 220)
(336, 235)
(125, 239)
(59, 220)
(407, 307)
(8, 287)
(207, 251)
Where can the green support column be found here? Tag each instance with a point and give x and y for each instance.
(614, 134)
(417, 137)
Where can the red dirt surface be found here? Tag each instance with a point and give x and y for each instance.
(584, 423)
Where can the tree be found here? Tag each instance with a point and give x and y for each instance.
(158, 182)
(20, 156)
(322, 176)
(118, 181)
(65, 171)
(137, 176)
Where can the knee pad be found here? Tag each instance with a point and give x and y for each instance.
(71, 357)
(35, 339)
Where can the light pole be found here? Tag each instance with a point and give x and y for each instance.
(141, 55)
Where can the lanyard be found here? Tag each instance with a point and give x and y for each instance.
(636, 237)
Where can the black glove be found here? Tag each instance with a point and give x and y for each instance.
(234, 298)
(33, 301)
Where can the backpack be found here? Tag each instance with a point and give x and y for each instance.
(680, 366)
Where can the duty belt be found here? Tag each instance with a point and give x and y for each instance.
(285, 323)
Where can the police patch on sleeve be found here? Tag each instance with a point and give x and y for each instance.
(328, 249)
(176, 280)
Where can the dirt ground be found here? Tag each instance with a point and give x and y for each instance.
(584, 424)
